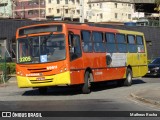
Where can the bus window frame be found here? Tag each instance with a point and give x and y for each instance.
(140, 44)
(113, 43)
(70, 41)
(124, 43)
(131, 43)
(82, 41)
(103, 42)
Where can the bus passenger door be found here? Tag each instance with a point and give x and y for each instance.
(142, 56)
(75, 54)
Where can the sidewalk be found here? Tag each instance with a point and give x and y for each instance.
(151, 96)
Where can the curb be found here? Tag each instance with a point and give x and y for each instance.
(149, 101)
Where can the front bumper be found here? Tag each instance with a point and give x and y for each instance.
(53, 80)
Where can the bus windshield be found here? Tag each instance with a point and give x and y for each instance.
(41, 49)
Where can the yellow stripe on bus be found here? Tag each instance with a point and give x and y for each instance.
(59, 79)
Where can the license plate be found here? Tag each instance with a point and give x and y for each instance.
(40, 78)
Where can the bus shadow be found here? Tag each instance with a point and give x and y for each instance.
(56, 91)
(75, 90)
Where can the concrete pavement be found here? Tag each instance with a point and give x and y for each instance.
(150, 96)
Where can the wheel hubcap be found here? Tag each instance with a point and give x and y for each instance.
(129, 77)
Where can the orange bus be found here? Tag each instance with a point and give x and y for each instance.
(54, 54)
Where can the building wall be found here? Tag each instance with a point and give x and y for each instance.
(5, 9)
(110, 11)
(29, 9)
(65, 8)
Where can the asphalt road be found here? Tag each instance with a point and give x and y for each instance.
(104, 97)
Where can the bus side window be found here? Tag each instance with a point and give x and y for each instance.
(86, 41)
(74, 47)
(140, 44)
(132, 47)
(110, 43)
(121, 43)
(99, 45)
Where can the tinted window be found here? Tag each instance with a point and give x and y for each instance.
(132, 47)
(131, 39)
(139, 40)
(110, 38)
(121, 43)
(140, 45)
(86, 36)
(86, 41)
(110, 43)
(75, 48)
(120, 38)
(99, 45)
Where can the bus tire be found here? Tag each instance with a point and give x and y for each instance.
(86, 86)
(42, 90)
(128, 80)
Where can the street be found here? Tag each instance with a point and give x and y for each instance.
(104, 97)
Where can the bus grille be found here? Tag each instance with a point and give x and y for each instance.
(39, 70)
(41, 81)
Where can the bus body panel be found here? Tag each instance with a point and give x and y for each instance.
(97, 62)
(41, 81)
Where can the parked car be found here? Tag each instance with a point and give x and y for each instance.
(154, 67)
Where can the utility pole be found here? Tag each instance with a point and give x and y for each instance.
(81, 20)
(39, 10)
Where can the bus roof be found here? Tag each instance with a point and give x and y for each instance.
(86, 27)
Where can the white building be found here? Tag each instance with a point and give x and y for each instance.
(110, 10)
(65, 9)
(91, 10)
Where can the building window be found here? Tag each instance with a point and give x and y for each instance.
(78, 11)
(66, 11)
(78, 1)
(49, 1)
(115, 5)
(101, 16)
(116, 15)
(73, 2)
(129, 16)
(58, 10)
(58, 1)
(49, 10)
(100, 5)
(90, 6)
(66, 1)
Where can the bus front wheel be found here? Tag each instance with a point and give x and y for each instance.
(87, 85)
(128, 80)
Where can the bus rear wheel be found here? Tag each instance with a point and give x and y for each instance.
(42, 90)
(87, 85)
(128, 80)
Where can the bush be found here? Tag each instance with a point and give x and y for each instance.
(11, 67)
